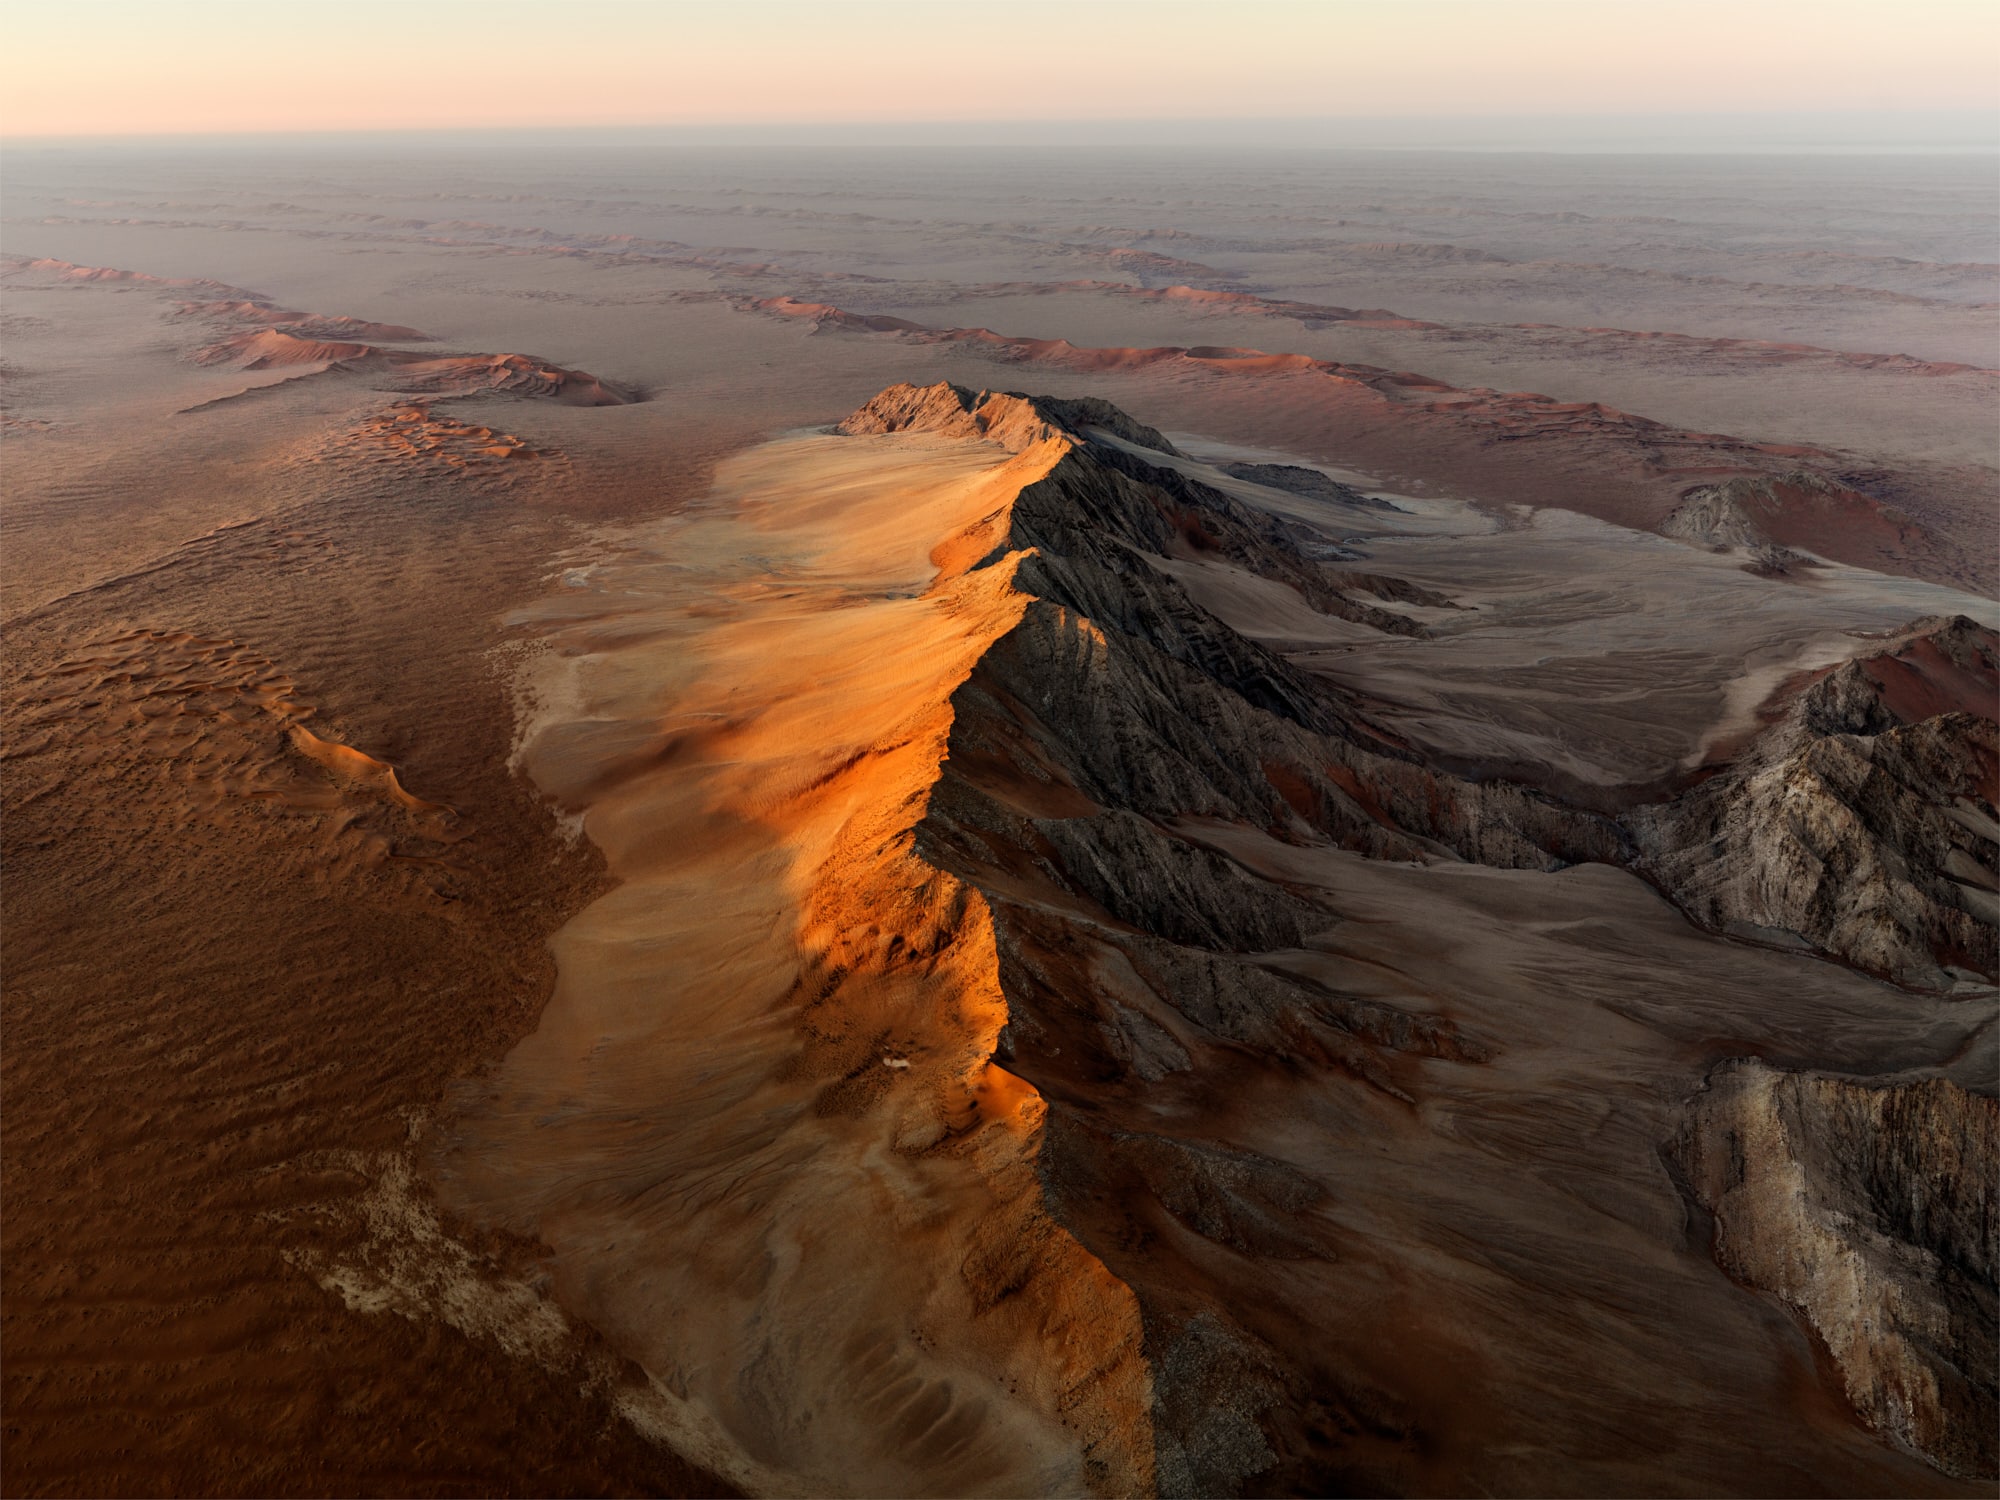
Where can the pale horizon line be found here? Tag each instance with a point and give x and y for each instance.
(1955, 131)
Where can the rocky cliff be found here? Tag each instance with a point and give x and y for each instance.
(1075, 862)
(1872, 1208)
(1092, 748)
(1864, 821)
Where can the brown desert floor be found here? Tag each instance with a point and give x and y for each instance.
(280, 889)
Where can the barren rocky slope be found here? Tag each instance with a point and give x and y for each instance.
(1864, 822)
(1871, 1207)
(1098, 747)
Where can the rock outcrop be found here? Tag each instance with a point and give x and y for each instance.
(1871, 1208)
(1779, 518)
(1091, 747)
(1718, 517)
(1864, 822)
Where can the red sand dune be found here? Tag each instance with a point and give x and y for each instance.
(242, 310)
(409, 370)
(70, 271)
(1581, 455)
(1806, 516)
(1522, 414)
(269, 348)
(1767, 351)
(224, 303)
(1919, 680)
(410, 429)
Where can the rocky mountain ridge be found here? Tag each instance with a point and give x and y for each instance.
(1864, 822)
(1095, 745)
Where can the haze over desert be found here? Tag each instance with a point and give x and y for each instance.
(741, 777)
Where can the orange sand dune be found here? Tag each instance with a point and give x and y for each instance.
(70, 271)
(241, 310)
(409, 370)
(412, 430)
(271, 348)
(872, 1222)
(226, 717)
(753, 737)
(223, 303)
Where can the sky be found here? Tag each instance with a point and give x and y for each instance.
(168, 67)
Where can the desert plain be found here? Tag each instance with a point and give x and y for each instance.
(704, 820)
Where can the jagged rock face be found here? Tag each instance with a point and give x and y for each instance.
(1109, 499)
(1089, 746)
(1097, 743)
(1777, 518)
(1873, 1210)
(1720, 517)
(1854, 826)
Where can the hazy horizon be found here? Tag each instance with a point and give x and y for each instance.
(1092, 749)
(1907, 134)
(1540, 73)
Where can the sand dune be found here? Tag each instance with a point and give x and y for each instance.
(306, 325)
(230, 724)
(69, 271)
(1623, 449)
(223, 303)
(780, 716)
(408, 370)
(280, 338)
(414, 430)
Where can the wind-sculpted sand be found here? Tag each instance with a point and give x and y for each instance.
(760, 1126)
(1587, 456)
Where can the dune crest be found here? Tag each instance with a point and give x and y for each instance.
(224, 303)
(413, 371)
(279, 338)
(232, 726)
(829, 1013)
